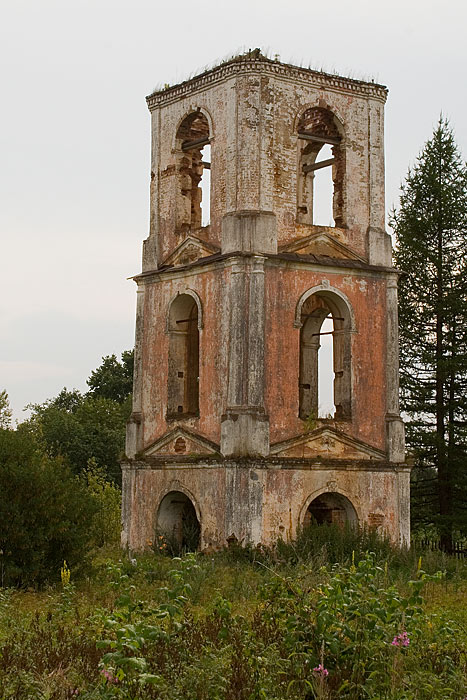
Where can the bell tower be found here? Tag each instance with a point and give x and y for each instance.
(242, 284)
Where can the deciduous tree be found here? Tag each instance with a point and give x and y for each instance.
(5, 410)
(113, 379)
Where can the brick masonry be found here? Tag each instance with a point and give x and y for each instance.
(245, 460)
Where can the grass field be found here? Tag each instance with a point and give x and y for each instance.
(319, 618)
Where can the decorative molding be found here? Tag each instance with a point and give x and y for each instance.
(190, 250)
(328, 443)
(319, 241)
(162, 445)
(263, 65)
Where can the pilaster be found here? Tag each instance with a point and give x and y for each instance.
(394, 424)
(249, 231)
(244, 426)
(134, 438)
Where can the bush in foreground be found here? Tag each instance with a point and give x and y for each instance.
(46, 513)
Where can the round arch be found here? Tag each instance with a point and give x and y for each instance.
(193, 111)
(176, 485)
(324, 289)
(324, 187)
(178, 520)
(197, 299)
(339, 120)
(326, 506)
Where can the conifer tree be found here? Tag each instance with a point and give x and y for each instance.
(431, 233)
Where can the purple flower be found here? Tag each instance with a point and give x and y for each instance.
(401, 640)
(321, 671)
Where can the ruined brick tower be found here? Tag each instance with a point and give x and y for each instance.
(226, 436)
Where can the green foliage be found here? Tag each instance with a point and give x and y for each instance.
(80, 428)
(45, 513)
(202, 628)
(354, 623)
(106, 524)
(311, 422)
(331, 543)
(431, 232)
(87, 427)
(5, 411)
(113, 379)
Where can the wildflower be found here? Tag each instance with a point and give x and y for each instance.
(401, 640)
(108, 675)
(65, 574)
(321, 671)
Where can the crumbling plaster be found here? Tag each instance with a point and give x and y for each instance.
(247, 462)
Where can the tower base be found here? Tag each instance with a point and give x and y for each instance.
(260, 500)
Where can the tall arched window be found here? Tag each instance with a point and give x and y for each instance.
(193, 170)
(320, 312)
(321, 169)
(183, 370)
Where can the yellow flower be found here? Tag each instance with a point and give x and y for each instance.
(65, 574)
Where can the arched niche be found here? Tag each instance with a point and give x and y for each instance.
(316, 306)
(178, 521)
(183, 359)
(187, 292)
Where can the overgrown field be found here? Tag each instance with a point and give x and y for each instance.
(329, 616)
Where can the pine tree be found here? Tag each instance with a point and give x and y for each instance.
(431, 233)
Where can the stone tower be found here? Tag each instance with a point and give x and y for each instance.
(241, 284)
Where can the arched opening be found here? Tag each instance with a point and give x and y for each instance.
(326, 406)
(193, 171)
(205, 185)
(331, 509)
(323, 189)
(183, 369)
(178, 523)
(321, 166)
(325, 382)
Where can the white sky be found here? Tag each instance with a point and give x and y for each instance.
(74, 142)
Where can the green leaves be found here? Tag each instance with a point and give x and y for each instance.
(113, 379)
(45, 513)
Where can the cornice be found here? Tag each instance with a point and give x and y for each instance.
(315, 263)
(264, 66)
(270, 462)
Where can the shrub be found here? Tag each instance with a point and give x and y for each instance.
(106, 524)
(46, 513)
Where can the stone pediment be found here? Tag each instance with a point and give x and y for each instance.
(190, 250)
(320, 243)
(326, 443)
(181, 441)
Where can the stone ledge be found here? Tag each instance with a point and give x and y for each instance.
(250, 63)
(264, 463)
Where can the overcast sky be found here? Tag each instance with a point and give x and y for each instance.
(74, 142)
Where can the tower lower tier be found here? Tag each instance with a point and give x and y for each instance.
(202, 503)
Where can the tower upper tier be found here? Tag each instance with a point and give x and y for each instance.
(241, 145)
